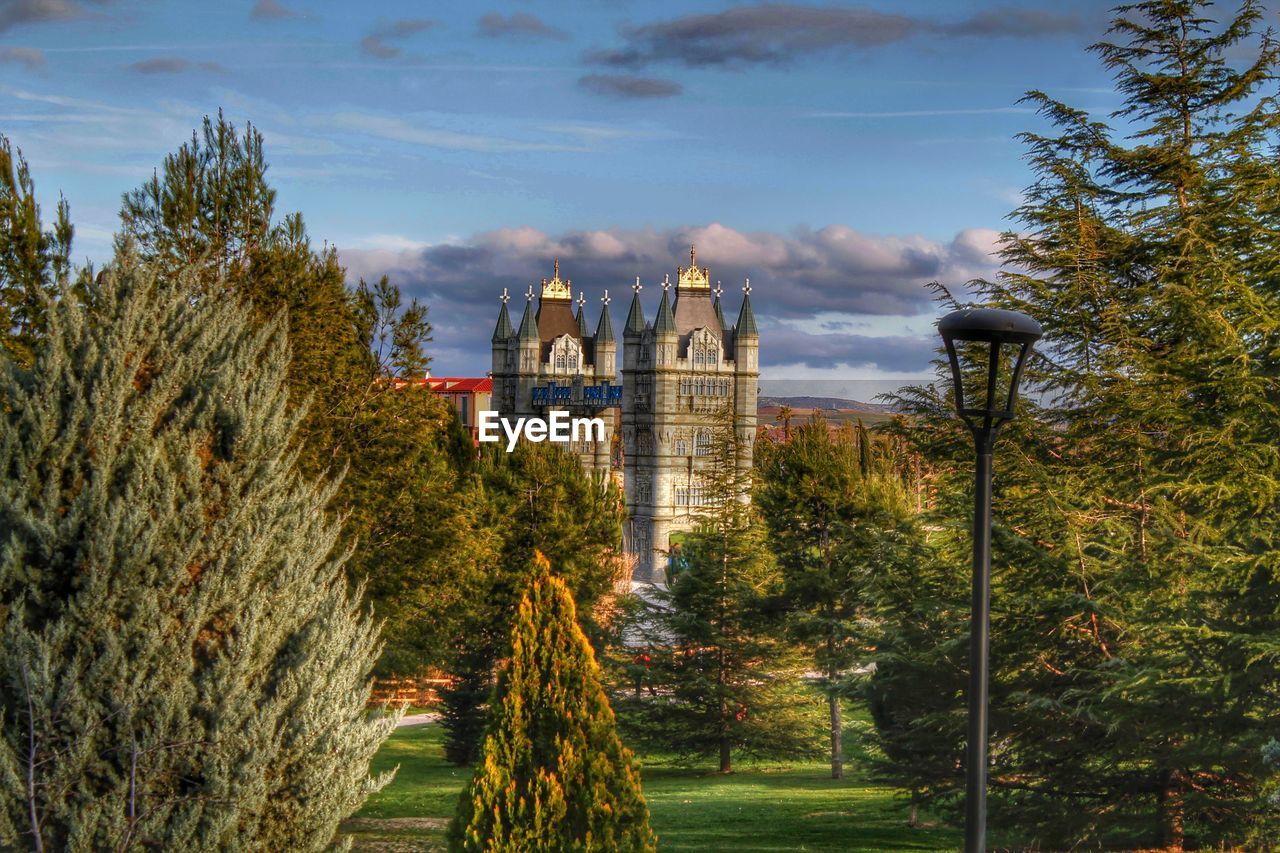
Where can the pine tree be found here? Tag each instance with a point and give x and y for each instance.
(1136, 591)
(553, 774)
(182, 666)
(733, 681)
(30, 257)
(837, 513)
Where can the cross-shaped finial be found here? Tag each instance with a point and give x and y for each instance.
(666, 281)
(605, 299)
(746, 288)
(637, 287)
(504, 297)
(719, 291)
(529, 295)
(582, 299)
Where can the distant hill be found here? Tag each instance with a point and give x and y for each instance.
(826, 403)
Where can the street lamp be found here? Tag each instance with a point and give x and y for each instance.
(1006, 335)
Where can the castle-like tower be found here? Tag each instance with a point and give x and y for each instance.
(551, 362)
(678, 376)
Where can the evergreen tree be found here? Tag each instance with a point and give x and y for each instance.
(536, 499)
(182, 665)
(552, 774)
(835, 511)
(411, 514)
(1136, 592)
(30, 257)
(734, 682)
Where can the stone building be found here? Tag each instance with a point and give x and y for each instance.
(678, 374)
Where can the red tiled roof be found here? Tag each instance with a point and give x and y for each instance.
(459, 385)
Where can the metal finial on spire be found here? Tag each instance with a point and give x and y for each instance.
(556, 274)
(582, 299)
(504, 298)
(605, 299)
(693, 256)
(746, 288)
(719, 291)
(529, 295)
(637, 287)
(666, 281)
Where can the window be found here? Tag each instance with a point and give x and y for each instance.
(462, 410)
(560, 360)
(682, 447)
(702, 444)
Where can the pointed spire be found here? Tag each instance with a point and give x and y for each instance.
(635, 317)
(746, 317)
(666, 321)
(582, 317)
(528, 325)
(604, 329)
(719, 291)
(503, 330)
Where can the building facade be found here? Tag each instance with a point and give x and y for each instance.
(679, 375)
(468, 396)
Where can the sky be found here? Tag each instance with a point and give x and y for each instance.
(842, 156)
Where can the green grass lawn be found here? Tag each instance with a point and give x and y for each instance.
(758, 808)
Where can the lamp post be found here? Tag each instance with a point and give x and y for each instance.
(1010, 334)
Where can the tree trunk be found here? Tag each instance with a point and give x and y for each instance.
(1169, 829)
(726, 765)
(837, 737)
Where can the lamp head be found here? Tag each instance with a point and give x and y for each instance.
(1001, 331)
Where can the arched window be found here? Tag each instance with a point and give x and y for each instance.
(560, 360)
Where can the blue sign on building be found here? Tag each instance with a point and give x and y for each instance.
(600, 396)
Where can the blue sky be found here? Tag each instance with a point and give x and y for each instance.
(841, 155)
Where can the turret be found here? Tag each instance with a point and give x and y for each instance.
(664, 331)
(746, 337)
(502, 333)
(527, 339)
(582, 317)
(606, 347)
(634, 329)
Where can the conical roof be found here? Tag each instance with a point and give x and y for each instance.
(747, 318)
(720, 314)
(604, 329)
(503, 330)
(528, 325)
(666, 321)
(635, 317)
(582, 323)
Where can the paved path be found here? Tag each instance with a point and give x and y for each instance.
(417, 720)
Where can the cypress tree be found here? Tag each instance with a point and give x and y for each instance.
(182, 666)
(553, 774)
(536, 499)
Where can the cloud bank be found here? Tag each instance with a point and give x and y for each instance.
(825, 297)
(783, 33)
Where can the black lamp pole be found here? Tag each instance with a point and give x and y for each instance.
(995, 328)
